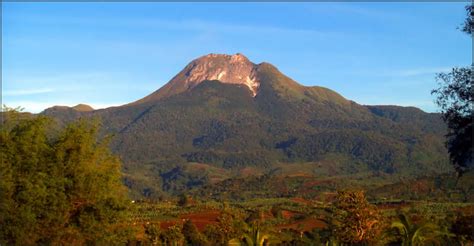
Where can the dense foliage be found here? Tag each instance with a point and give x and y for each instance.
(223, 126)
(58, 187)
(455, 98)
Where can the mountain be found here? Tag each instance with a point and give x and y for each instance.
(230, 69)
(79, 108)
(229, 114)
(83, 108)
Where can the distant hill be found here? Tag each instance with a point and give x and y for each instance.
(83, 108)
(229, 113)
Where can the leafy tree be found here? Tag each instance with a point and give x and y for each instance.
(192, 235)
(229, 225)
(354, 220)
(213, 235)
(152, 233)
(463, 228)
(183, 200)
(455, 99)
(416, 234)
(58, 187)
(173, 236)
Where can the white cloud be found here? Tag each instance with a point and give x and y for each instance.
(24, 92)
(36, 107)
(70, 89)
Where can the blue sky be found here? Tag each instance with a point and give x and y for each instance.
(108, 54)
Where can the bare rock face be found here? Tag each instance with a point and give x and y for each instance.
(231, 69)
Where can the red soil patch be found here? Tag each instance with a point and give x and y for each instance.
(311, 184)
(469, 210)
(287, 214)
(300, 200)
(169, 223)
(199, 219)
(202, 219)
(304, 225)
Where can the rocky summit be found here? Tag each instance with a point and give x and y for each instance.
(231, 69)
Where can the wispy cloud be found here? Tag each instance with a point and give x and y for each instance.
(70, 89)
(37, 107)
(18, 85)
(191, 24)
(421, 71)
(27, 92)
(404, 72)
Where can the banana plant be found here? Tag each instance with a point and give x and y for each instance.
(254, 238)
(414, 235)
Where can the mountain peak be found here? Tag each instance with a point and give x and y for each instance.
(230, 69)
(238, 57)
(83, 107)
(234, 69)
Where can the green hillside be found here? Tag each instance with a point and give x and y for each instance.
(223, 126)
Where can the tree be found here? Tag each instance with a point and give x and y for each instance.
(455, 99)
(229, 225)
(354, 220)
(152, 233)
(463, 228)
(469, 23)
(173, 236)
(58, 187)
(192, 235)
(183, 200)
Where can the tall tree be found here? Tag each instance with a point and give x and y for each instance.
(58, 187)
(192, 235)
(355, 220)
(455, 99)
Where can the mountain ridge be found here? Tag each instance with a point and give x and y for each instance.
(225, 125)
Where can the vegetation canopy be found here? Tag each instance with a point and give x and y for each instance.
(454, 96)
(58, 186)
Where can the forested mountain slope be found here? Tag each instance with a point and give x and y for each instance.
(227, 112)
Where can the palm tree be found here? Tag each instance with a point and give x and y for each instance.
(413, 234)
(254, 238)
